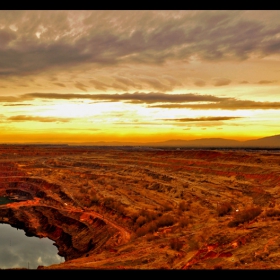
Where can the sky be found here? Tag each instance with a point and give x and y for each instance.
(138, 76)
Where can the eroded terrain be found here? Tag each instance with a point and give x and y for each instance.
(129, 208)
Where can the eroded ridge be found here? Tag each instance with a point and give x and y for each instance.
(121, 207)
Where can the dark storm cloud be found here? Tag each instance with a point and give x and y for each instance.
(34, 41)
(37, 119)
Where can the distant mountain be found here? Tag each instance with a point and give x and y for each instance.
(266, 142)
(206, 142)
(269, 142)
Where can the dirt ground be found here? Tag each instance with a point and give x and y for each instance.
(146, 208)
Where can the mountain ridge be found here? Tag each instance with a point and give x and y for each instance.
(267, 142)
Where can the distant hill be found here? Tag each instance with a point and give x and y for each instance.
(266, 142)
(269, 142)
(206, 142)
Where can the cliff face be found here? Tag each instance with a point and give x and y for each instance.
(44, 209)
(74, 238)
(39, 214)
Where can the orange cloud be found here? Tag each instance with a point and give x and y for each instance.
(37, 119)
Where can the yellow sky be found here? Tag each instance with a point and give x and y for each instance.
(140, 76)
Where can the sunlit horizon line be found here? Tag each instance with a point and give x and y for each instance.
(123, 140)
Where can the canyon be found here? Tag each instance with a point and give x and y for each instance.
(146, 207)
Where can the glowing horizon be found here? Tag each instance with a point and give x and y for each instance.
(138, 76)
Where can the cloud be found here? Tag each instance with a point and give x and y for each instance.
(59, 84)
(99, 85)
(37, 119)
(18, 104)
(226, 104)
(221, 82)
(80, 86)
(119, 86)
(13, 98)
(172, 81)
(185, 100)
(263, 82)
(126, 81)
(42, 40)
(138, 123)
(22, 85)
(6, 36)
(199, 83)
(156, 84)
(152, 97)
(202, 119)
(244, 82)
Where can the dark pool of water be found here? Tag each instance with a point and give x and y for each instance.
(18, 250)
(5, 200)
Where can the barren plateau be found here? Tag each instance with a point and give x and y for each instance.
(146, 208)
